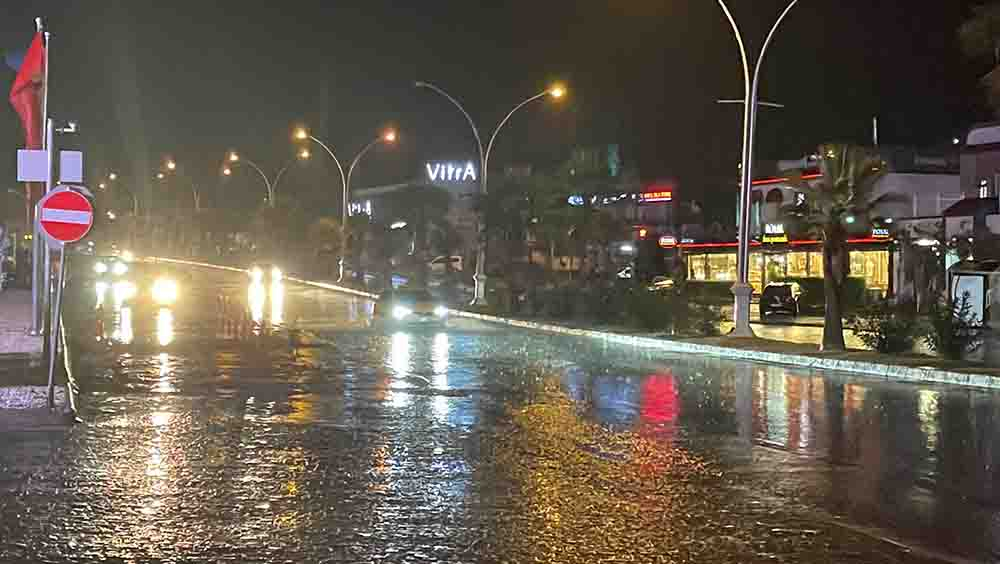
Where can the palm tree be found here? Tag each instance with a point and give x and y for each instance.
(843, 197)
(980, 39)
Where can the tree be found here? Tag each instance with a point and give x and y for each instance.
(326, 241)
(980, 39)
(844, 196)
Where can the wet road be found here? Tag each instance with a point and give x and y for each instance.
(201, 440)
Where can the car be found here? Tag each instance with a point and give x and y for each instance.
(780, 298)
(264, 272)
(404, 306)
(441, 264)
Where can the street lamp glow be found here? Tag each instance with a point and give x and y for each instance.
(557, 91)
(304, 154)
(227, 171)
(171, 165)
(160, 176)
(102, 186)
(301, 134)
(390, 136)
(112, 176)
(397, 225)
(234, 157)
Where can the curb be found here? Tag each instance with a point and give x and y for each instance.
(886, 372)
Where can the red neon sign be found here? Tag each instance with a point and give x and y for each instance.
(658, 196)
(784, 179)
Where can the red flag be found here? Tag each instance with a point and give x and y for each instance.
(26, 94)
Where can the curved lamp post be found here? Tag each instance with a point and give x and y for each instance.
(271, 186)
(301, 134)
(484, 157)
(742, 289)
(171, 166)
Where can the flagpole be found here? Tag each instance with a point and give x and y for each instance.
(38, 254)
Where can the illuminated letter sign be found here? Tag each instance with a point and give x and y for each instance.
(668, 241)
(880, 232)
(658, 196)
(775, 233)
(451, 172)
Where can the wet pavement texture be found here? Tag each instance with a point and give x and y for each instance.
(312, 436)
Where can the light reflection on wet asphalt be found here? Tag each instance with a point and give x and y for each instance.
(207, 440)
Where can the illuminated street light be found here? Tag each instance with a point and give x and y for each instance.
(102, 186)
(304, 154)
(112, 176)
(227, 171)
(301, 134)
(171, 165)
(556, 92)
(234, 157)
(160, 176)
(397, 225)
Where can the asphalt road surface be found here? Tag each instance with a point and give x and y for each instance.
(273, 423)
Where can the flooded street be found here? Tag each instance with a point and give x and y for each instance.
(313, 436)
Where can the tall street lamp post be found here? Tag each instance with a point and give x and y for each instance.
(484, 157)
(171, 166)
(301, 134)
(742, 289)
(235, 158)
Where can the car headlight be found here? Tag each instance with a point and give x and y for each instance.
(100, 268)
(276, 274)
(119, 268)
(257, 275)
(441, 311)
(165, 291)
(401, 312)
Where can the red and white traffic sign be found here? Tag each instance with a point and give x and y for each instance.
(65, 215)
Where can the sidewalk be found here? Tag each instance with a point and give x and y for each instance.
(15, 322)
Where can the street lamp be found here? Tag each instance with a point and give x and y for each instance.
(389, 136)
(171, 165)
(556, 92)
(742, 289)
(112, 176)
(271, 185)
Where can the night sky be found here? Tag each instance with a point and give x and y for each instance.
(194, 79)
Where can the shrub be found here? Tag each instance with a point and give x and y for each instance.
(954, 328)
(886, 328)
(710, 292)
(651, 311)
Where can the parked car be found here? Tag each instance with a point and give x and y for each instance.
(780, 298)
(405, 306)
(440, 264)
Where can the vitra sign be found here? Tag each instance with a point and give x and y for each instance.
(452, 172)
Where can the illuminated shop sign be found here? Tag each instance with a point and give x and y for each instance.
(775, 233)
(360, 208)
(668, 241)
(880, 232)
(657, 196)
(451, 172)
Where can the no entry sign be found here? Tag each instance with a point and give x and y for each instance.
(65, 215)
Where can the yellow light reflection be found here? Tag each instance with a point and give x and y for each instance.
(256, 296)
(122, 290)
(399, 362)
(122, 332)
(163, 385)
(277, 302)
(160, 418)
(439, 362)
(102, 291)
(165, 326)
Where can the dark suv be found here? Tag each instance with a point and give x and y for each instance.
(780, 298)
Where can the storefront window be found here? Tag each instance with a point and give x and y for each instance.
(815, 265)
(873, 266)
(722, 267)
(696, 267)
(798, 265)
(775, 267)
(756, 272)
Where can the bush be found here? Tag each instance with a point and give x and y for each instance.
(886, 328)
(710, 292)
(651, 311)
(954, 330)
(813, 299)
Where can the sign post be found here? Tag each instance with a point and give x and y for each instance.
(64, 216)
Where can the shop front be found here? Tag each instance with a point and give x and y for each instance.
(716, 262)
